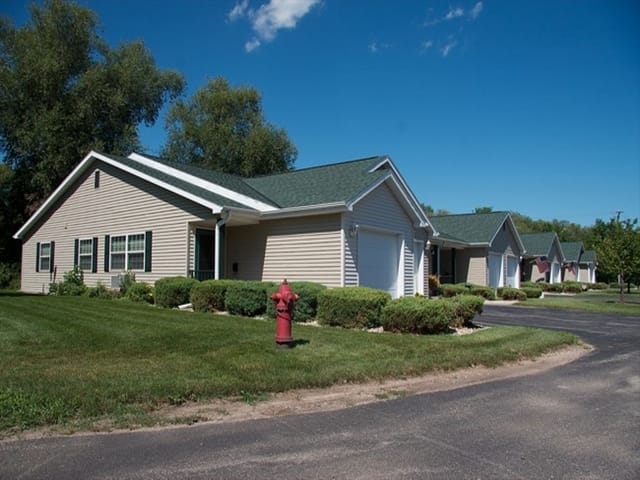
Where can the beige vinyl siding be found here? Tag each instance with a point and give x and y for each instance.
(382, 210)
(303, 248)
(471, 266)
(123, 204)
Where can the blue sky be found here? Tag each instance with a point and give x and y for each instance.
(528, 106)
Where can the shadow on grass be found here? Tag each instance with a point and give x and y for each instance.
(16, 293)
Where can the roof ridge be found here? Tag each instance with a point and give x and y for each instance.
(472, 213)
(306, 169)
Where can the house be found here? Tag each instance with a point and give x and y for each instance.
(344, 224)
(479, 248)
(588, 266)
(544, 258)
(572, 254)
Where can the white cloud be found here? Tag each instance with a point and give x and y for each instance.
(426, 45)
(278, 14)
(446, 50)
(238, 11)
(475, 11)
(454, 13)
(373, 47)
(251, 45)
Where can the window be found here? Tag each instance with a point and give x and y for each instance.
(85, 254)
(45, 257)
(96, 179)
(128, 252)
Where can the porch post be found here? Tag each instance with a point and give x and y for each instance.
(217, 249)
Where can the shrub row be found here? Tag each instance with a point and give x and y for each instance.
(72, 284)
(451, 290)
(351, 307)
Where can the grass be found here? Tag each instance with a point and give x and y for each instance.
(598, 301)
(82, 363)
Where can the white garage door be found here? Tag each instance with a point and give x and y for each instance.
(378, 258)
(512, 272)
(495, 270)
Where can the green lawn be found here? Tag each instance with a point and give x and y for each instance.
(593, 301)
(81, 363)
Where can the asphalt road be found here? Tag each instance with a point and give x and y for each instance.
(577, 421)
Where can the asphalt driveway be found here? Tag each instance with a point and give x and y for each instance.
(577, 421)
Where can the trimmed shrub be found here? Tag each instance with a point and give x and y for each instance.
(139, 292)
(209, 295)
(352, 307)
(466, 308)
(306, 307)
(173, 291)
(600, 286)
(418, 315)
(100, 291)
(481, 291)
(532, 292)
(247, 298)
(570, 286)
(451, 290)
(554, 288)
(512, 294)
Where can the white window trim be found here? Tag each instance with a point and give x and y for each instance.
(90, 255)
(48, 257)
(126, 252)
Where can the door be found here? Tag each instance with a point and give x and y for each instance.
(205, 254)
(378, 259)
(512, 272)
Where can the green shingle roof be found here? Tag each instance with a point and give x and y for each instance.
(538, 244)
(175, 182)
(338, 182)
(572, 250)
(589, 256)
(474, 228)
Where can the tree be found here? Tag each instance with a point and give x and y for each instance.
(618, 249)
(483, 210)
(223, 128)
(63, 92)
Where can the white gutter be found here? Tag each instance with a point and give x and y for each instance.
(226, 215)
(323, 208)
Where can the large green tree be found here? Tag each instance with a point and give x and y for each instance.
(63, 92)
(223, 128)
(617, 246)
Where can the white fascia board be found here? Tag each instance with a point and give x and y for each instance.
(80, 169)
(406, 191)
(306, 210)
(514, 231)
(199, 182)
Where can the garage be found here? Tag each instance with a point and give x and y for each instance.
(495, 270)
(512, 272)
(378, 259)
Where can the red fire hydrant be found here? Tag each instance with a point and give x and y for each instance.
(285, 302)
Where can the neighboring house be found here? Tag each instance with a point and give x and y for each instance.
(544, 258)
(479, 248)
(572, 254)
(588, 265)
(344, 224)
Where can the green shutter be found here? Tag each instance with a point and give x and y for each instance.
(94, 263)
(75, 252)
(51, 259)
(38, 257)
(147, 251)
(106, 253)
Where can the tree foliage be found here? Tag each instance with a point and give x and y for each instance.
(223, 128)
(618, 249)
(64, 92)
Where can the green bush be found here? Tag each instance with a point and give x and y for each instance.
(544, 286)
(208, 296)
(72, 284)
(247, 298)
(600, 286)
(10, 276)
(127, 279)
(351, 307)
(481, 291)
(554, 288)
(139, 292)
(418, 315)
(570, 286)
(532, 292)
(451, 290)
(512, 294)
(306, 307)
(466, 308)
(173, 291)
(100, 291)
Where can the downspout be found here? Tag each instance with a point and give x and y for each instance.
(224, 218)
